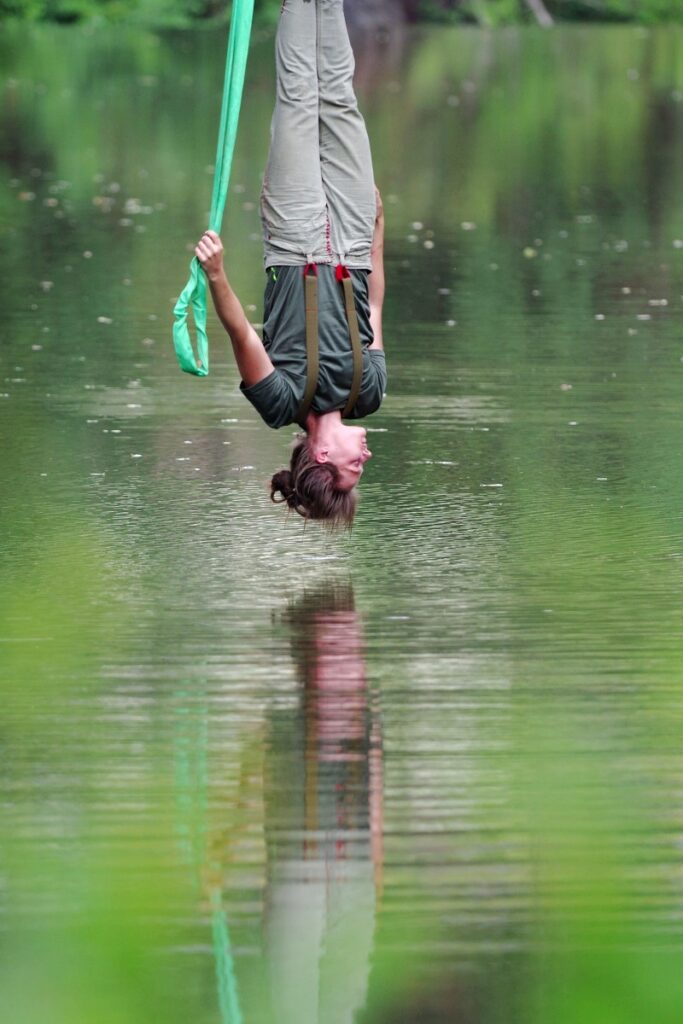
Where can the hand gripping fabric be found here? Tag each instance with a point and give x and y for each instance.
(194, 292)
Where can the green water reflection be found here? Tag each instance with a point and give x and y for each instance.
(430, 771)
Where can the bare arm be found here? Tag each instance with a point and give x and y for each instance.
(252, 360)
(376, 285)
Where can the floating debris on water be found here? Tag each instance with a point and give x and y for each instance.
(529, 252)
(134, 206)
(104, 203)
(104, 320)
(566, 387)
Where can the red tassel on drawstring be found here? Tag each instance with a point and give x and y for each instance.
(342, 272)
(311, 266)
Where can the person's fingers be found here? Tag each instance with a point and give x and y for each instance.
(211, 247)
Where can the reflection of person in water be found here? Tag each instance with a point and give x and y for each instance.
(323, 820)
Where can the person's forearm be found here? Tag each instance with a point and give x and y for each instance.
(376, 284)
(228, 307)
(252, 359)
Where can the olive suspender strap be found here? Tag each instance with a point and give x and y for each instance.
(312, 355)
(352, 317)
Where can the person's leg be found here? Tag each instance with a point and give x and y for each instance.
(293, 204)
(345, 157)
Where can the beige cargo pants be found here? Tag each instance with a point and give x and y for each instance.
(318, 200)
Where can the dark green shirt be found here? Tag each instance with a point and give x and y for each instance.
(279, 395)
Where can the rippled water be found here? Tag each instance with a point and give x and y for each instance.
(430, 771)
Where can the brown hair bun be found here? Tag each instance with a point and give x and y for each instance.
(282, 483)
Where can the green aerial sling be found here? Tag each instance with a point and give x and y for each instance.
(194, 292)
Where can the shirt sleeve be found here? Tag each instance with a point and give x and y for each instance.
(273, 398)
(373, 386)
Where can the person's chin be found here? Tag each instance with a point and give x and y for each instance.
(348, 483)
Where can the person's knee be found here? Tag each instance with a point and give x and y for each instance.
(337, 90)
(299, 86)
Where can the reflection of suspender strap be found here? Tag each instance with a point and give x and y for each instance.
(312, 354)
(312, 357)
(344, 276)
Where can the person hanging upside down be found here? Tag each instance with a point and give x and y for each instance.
(323, 225)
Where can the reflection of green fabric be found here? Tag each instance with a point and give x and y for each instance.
(228, 996)
(194, 292)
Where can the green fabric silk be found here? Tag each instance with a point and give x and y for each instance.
(194, 292)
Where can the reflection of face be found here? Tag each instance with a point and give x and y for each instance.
(347, 448)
